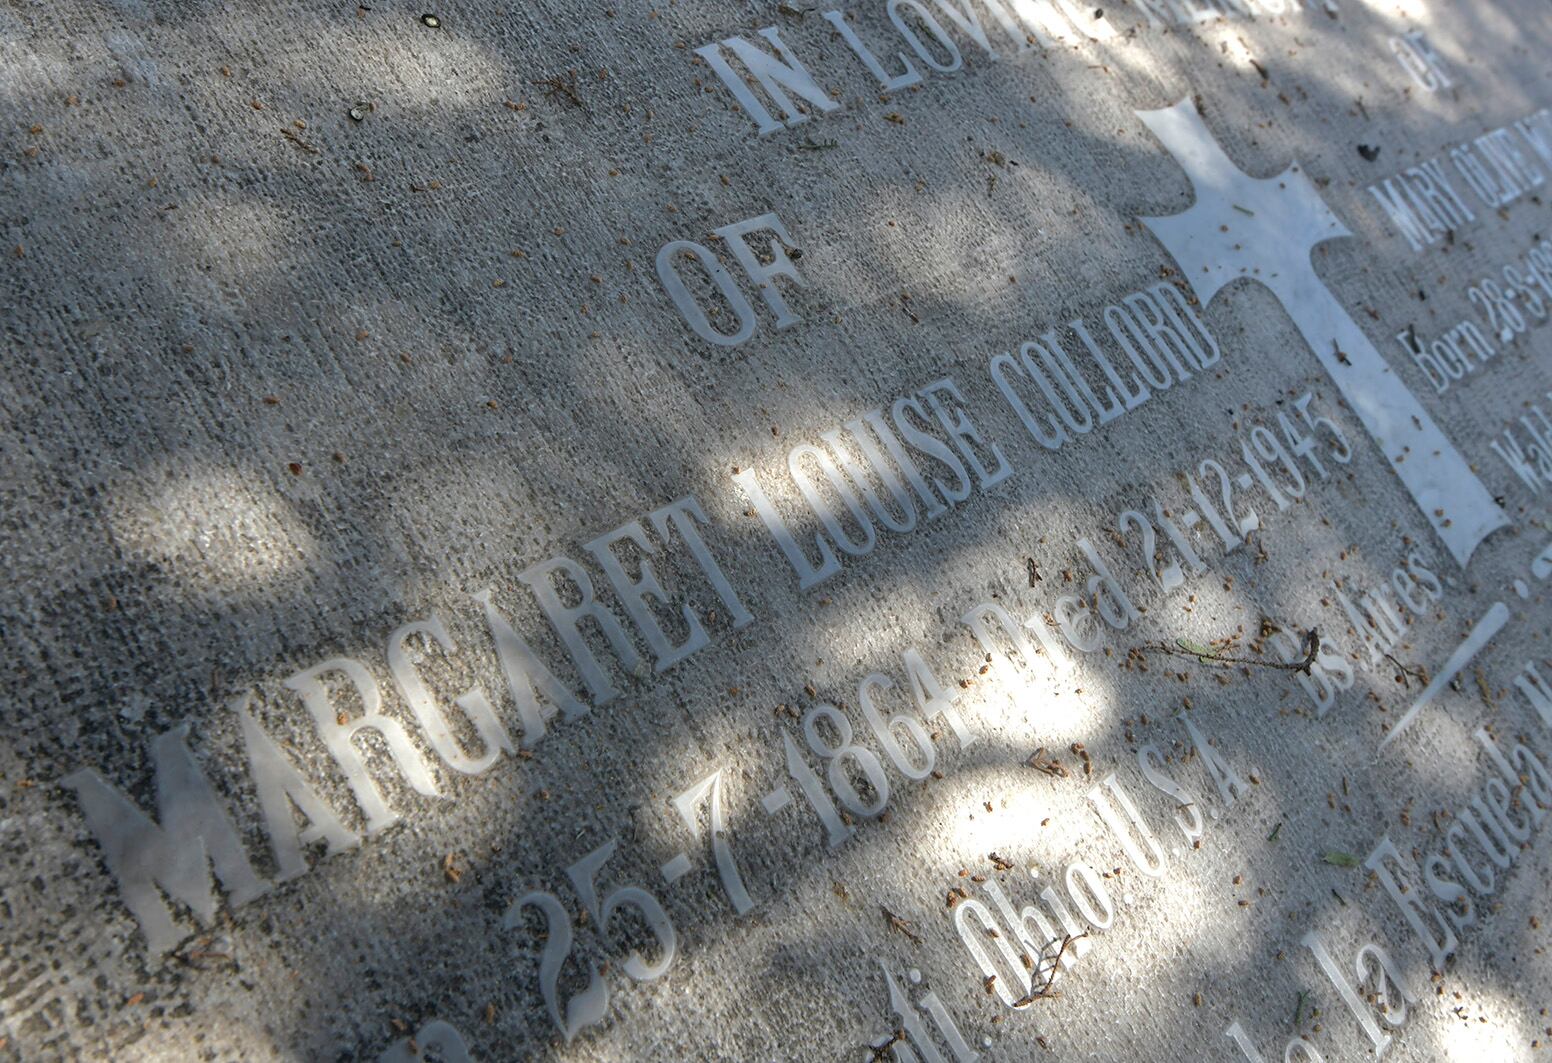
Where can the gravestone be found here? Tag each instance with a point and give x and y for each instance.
(926, 530)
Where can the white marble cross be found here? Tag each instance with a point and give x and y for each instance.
(1265, 230)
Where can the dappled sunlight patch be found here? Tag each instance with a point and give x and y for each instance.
(1484, 1026)
(232, 242)
(237, 532)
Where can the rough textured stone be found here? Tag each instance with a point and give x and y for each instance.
(277, 381)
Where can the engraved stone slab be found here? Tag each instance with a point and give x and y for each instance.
(917, 530)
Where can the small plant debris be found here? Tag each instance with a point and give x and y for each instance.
(562, 87)
(1050, 765)
(1208, 655)
(1044, 991)
(902, 925)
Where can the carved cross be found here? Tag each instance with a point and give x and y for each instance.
(1264, 230)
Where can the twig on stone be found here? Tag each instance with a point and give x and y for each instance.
(292, 136)
(1204, 655)
(896, 923)
(1045, 992)
(564, 87)
(1402, 671)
